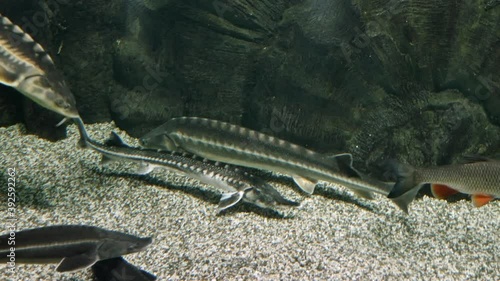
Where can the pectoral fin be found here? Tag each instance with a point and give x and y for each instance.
(307, 185)
(78, 262)
(480, 200)
(145, 169)
(230, 199)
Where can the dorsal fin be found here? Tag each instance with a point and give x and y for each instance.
(469, 159)
(115, 140)
(230, 199)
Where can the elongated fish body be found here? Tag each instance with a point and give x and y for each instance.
(237, 184)
(118, 269)
(236, 145)
(74, 247)
(479, 177)
(25, 66)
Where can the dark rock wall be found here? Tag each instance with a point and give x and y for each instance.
(415, 80)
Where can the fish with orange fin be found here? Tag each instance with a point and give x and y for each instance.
(478, 176)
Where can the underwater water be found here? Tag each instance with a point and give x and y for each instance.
(312, 126)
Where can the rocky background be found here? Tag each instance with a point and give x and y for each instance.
(413, 80)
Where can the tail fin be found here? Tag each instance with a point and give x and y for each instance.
(406, 188)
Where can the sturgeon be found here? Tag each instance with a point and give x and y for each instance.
(75, 247)
(118, 269)
(237, 145)
(238, 185)
(28, 68)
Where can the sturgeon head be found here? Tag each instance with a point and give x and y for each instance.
(26, 66)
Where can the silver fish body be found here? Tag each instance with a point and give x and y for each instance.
(479, 177)
(26, 66)
(237, 184)
(75, 247)
(236, 145)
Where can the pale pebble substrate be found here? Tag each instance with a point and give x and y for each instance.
(327, 239)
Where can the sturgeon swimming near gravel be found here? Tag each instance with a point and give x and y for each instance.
(27, 67)
(237, 184)
(74, 247)
(237, 145)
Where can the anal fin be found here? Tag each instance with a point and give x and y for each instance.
(307, 185)
(145, 169)
(442, 191)
(480, 200)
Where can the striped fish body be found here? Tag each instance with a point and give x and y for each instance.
(236, 183)
(25, 66)
(236, 145)
(74, 246)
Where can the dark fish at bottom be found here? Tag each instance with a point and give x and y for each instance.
(74, 247)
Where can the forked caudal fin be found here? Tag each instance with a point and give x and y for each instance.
(405, 189)
(479, 200)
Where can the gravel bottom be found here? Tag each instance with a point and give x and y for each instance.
(332, 235)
